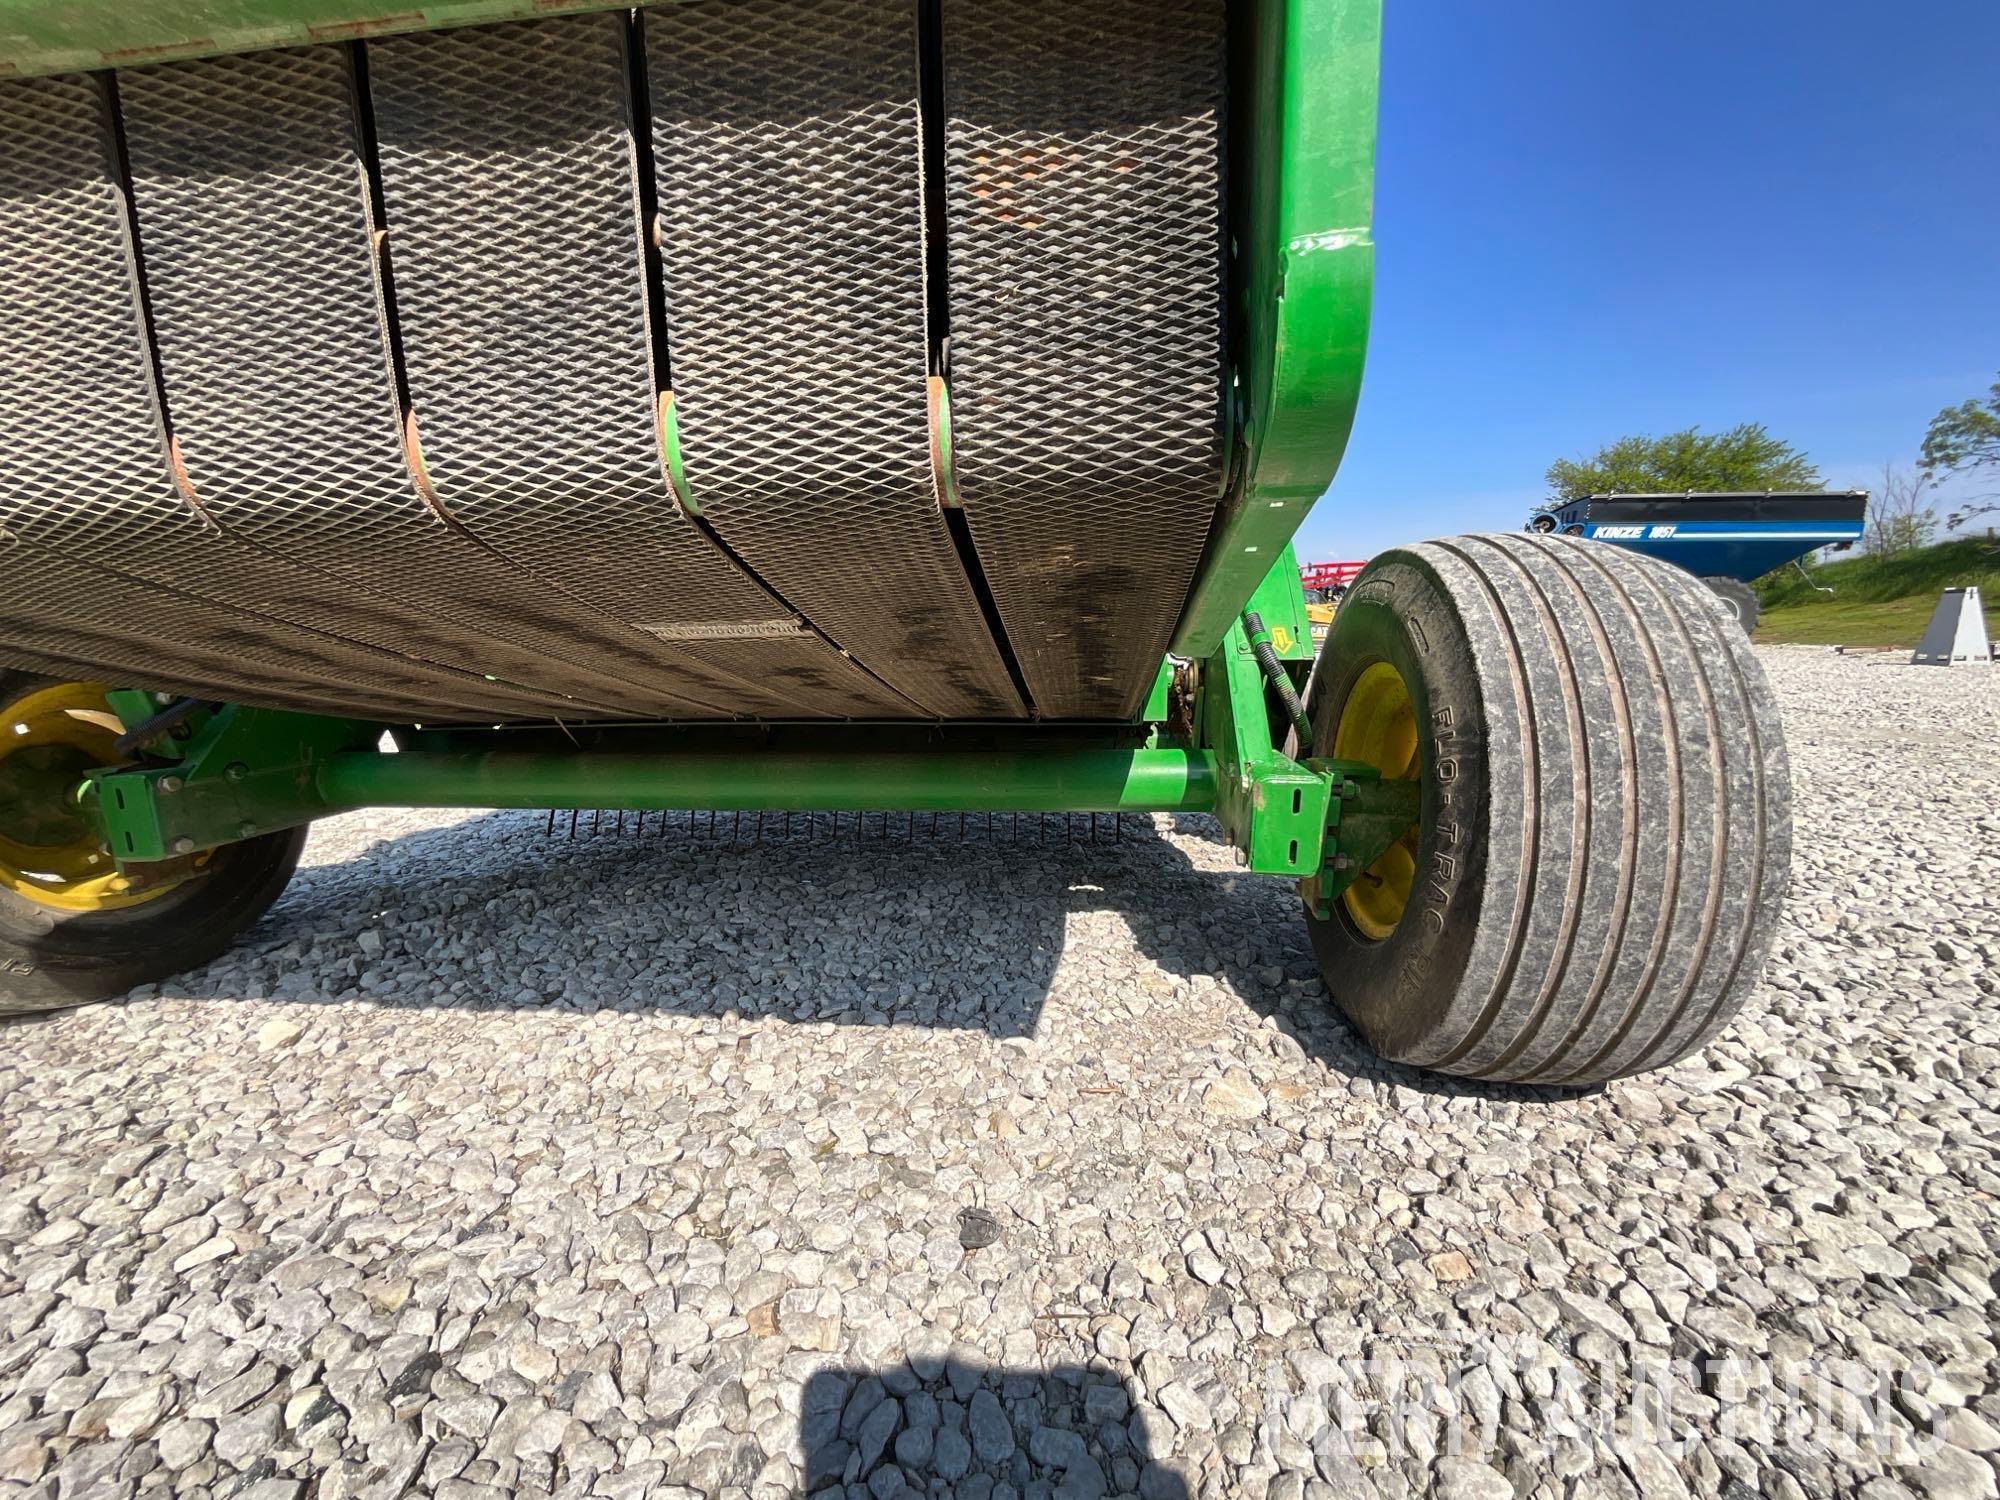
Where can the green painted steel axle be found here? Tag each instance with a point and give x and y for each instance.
(237, 772)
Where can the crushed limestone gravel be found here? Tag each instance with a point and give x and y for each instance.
(495, 1164)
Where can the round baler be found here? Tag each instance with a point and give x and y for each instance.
(800, 405)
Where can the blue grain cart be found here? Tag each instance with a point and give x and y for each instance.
(1723, 539)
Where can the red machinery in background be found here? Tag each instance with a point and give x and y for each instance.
(1328, 579)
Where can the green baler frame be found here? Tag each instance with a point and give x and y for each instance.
(1210, 738)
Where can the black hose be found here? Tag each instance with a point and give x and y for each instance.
(133, 741)
(1274, 673)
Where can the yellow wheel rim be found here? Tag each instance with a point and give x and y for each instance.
(1378, 725)
(49, 853)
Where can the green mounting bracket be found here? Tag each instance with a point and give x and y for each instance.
(1280, 602)
(1273, 808)
(245, 771)
(1365, 815)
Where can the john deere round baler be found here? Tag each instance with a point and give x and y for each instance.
(798, 404)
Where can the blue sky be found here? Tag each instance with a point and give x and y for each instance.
(1596, 217)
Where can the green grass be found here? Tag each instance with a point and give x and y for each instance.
(1878, 601)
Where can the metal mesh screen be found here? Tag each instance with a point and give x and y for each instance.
(81, 444)
(252, 197)
(507, 165)
(788, 152)
(1083, 156)
(259, 513)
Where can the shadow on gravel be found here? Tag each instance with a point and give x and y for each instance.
(945, 922)
(970, 1433)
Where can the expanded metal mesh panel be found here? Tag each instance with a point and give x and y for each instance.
(788, 149)
(251, 194)
(1084, 217)
(83, 471)
(145, 633)
(507, 163)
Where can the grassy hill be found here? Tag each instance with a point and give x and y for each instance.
(1878, 601)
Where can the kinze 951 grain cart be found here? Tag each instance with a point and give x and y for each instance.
(798, 404)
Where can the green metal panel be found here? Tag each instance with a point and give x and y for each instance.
(1274, 808)
(1305, 91)
(70, 36)
(1280, 600)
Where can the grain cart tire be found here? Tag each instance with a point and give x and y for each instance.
(1741, 599)
(72, 928)
(1605, 825)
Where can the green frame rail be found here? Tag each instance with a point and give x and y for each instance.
(1214, 743)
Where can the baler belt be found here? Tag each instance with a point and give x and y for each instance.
(84, 477)
(1083, 184)
(787, 151)
(508, 164)
(252, 201)
(222, 484)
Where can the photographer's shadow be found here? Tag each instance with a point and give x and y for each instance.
(958, 1430)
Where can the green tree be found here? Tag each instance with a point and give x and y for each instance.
(1743, 458)
(1965, 439)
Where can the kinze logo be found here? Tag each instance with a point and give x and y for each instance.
(1632, 531)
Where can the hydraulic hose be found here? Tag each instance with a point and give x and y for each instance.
(1274, 673)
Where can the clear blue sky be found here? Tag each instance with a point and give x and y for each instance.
(1597, 217)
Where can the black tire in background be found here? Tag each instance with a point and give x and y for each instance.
(1741, 599)
(1606, 811)
(50, 958)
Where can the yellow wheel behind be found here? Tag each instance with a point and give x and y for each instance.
(50, 738)
(1378, 726)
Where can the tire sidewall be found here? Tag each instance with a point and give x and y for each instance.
(50, 958)
(1396, 990)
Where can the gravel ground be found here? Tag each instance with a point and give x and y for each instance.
(496, 1165)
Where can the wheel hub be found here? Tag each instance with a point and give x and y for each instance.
(1378, 726)
(49, 853)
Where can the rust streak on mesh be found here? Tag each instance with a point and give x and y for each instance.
(185, 485)
(413, 459)
(348, 31)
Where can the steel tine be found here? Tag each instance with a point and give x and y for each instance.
(572, 820)
(550, 831)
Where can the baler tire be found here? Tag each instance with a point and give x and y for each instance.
(1605, 827)
(52, 959)
(1741, 599)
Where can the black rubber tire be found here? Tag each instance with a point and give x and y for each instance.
(1741, 599)
(51, 959)
(1606, 825)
